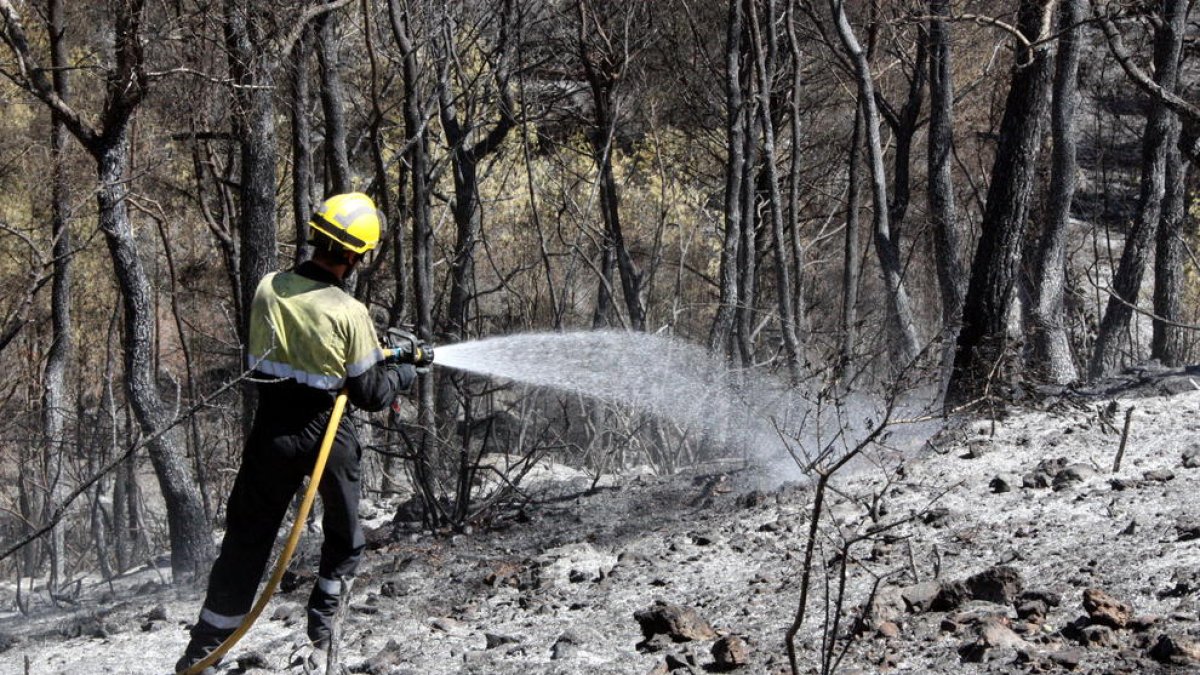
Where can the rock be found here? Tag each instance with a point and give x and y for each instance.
(449, 626)
(567, 646)
(730, 652)
(886, 605)
(252, 660)
(1105, 610)
(1175, 649)
(1122, 484)
(1188, 528)
(388, 660)
(494, 640)
(581, 562)
(1098, 635)
(158, 613)
(992, 638)
(950, 596)
(937, 517)
(1159, 475)
(888, 629)
(289, 614)
(1066, 658)
(1036, 480)
(1001, 585)
(978, 447)
(1191, 458)
(1032, 610)
(753, 499)
(681, 624)
(1072, 474)
(1004, 482)
(920, 597)
(1144, 622)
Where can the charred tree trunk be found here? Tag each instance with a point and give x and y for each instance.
(764, 64)
(747, 262)
(795, 186)
(983, 339)
(253, 122)
(302, 160)
(54, 397)
(417, 151)
(940, 195)
(905, 343)
(1162, 133)
(720, 337)
(851, 254)
(191, 542)
(904, 124)
(337, 162)
(465, 158)
(1051, 350)
(603, 74)
(1169, 343)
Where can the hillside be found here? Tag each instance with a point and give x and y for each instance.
(998, 546)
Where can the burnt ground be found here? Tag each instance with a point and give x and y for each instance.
(1004, 545)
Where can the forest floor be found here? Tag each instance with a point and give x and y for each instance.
(1006, 545)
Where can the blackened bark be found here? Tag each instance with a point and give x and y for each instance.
(903, 335)
(721, 335)
(1051, 350)
(1161, 134)
(795, 186)
(747, 264)
(783, 278)
(983, 339)
(603, 74)
(54, 395)
(940, 194)
(191, 543)
(417, 152)
(608, 261)
(1169, 342)
(904, 124)
(253, 122)
(302, 160)
(851, 252)
(333, 94)
(465, 158)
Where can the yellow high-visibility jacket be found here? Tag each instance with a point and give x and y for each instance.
(310, 331)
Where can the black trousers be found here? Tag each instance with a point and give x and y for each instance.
(281, 450)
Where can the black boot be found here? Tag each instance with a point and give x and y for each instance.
(323, 609)
(205, 639)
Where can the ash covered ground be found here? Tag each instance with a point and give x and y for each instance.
(1004, 545)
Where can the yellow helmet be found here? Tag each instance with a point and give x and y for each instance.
(349, 219)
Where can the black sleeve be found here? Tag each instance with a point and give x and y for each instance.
(379, 385)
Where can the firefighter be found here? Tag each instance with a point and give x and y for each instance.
(308, 339)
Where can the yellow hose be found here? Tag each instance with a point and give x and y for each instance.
(335, 417)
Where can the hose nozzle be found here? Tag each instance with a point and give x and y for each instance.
(404, 347)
